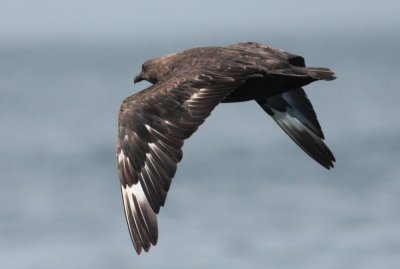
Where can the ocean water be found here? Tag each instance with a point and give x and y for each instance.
(244, 195)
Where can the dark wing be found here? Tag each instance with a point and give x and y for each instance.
(153, 125)
(294, 113)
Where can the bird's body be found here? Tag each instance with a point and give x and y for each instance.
(187, 85)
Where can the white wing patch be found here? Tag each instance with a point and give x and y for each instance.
(137, 191)
(121, 157)
(138, 211)
(123, 161)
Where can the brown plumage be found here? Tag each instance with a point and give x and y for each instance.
(187, 85)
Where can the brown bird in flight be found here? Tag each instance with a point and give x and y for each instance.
(154, 123)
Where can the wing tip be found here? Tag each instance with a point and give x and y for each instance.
(325, 157)
(139, 248)
(328, 164)
(141, 219)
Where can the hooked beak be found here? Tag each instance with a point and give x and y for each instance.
(138, 78)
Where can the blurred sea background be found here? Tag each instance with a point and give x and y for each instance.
(244, 196)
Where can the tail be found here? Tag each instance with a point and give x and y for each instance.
(298, 76)
(320, 73)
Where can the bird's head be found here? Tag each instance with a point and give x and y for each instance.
(156, 69)
(147, 73)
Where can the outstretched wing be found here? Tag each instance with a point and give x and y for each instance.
(153, 125)
(294, 113)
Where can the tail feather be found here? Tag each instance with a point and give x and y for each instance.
(303, 75)
(321, 73)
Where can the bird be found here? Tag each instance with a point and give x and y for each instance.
(186, 86)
